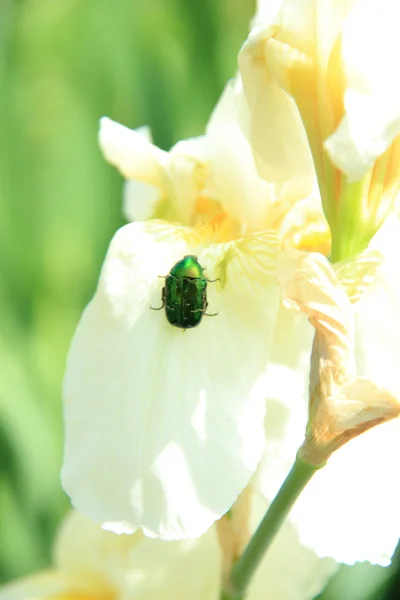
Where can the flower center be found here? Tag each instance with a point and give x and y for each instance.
(300, 224)
(212, 223)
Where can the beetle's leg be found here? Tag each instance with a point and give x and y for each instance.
(211, 280)
(207, 314)
(158, 308)
(162, 299)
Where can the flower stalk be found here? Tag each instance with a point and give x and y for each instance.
(242, 572)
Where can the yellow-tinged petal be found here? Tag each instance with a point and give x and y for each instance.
(271, 120)
(98, 565)
(164, 428)
(85, 552)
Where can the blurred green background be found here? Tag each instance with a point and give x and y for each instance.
(63, 64)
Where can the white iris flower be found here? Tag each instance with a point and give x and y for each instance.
(164, 428)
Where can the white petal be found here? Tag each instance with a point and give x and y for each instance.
(164, 427)
(266, 12)
(194, 149)
(349, 510)
(312, 26)
(372, 99)
(275, 128)
(140, 200)
(186, 176)
(289, 571)
(286, 382)
(233, 175)
(378, 318)
(271, 120)
(132, 153)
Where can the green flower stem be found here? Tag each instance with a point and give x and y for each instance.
(348, 237)
(242, 572)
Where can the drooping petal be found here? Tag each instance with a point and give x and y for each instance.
(338, 514)
(165, 427)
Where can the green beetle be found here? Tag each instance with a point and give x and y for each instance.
(184, 295)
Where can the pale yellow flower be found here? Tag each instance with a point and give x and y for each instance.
(93, 564)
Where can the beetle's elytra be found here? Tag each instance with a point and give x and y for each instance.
(184, 295)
